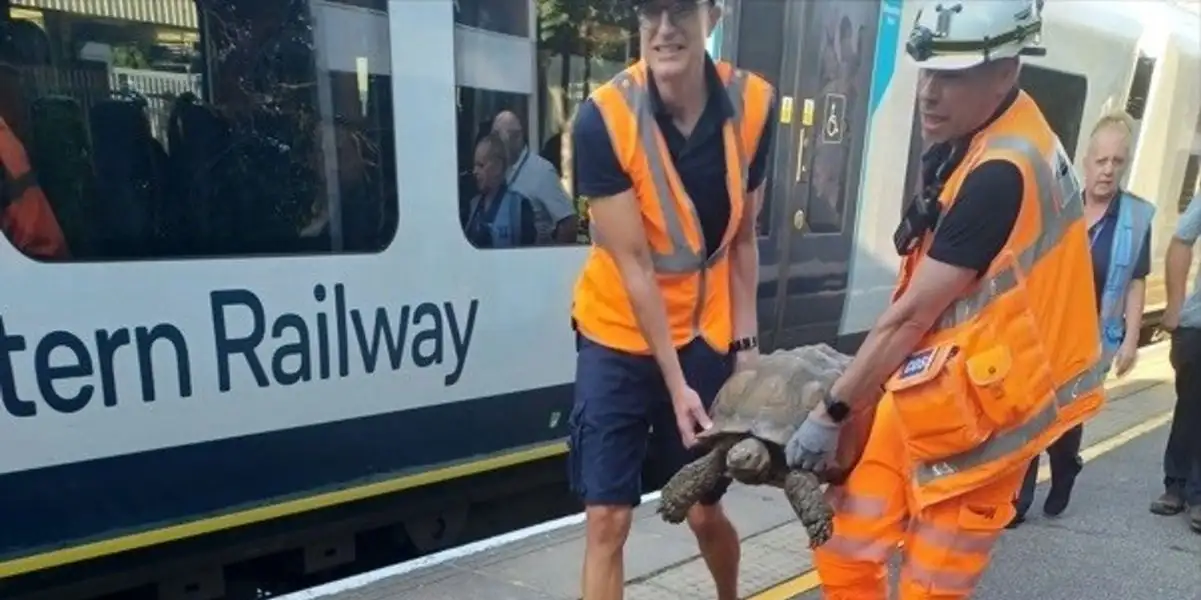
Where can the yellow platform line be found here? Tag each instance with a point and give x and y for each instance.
(810, 580)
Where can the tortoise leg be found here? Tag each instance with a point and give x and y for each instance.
(690, 483)
(805, 495)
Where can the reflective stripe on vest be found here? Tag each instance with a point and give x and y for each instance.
(681, 259)
(1134, 221)
(1060, 206)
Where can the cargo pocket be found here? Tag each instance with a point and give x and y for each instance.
(1011, 376)
(939, 416)
(576, 421)
(575, 454)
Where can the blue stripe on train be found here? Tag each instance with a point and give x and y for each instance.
(65, 505)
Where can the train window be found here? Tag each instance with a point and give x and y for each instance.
(516, 102)
(198, 128)
(1140, 84)
(758, 50)
(1190, 187)
(1061, 97)
(510, 17)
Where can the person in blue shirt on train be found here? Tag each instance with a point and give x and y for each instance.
(1119, 235)
(497, 217)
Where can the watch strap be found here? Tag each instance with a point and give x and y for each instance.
(744, 343)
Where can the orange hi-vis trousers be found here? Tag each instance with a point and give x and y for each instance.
(946, 546)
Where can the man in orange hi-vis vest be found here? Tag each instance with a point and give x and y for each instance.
(990, 348)
(671, 154)
(26, 217)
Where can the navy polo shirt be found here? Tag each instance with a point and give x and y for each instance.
(699, 158)
(1100, 237)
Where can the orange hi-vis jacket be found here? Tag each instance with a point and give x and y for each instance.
(1015, 362)
(695, 284)
(26, 218)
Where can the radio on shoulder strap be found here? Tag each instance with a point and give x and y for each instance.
(920, 217)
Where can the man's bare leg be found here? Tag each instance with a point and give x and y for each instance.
(606, 530)
(720, 547)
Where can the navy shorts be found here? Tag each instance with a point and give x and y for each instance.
(622, 412)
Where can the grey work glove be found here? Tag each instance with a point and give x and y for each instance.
(813, 445)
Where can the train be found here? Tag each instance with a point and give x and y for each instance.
(271, 334)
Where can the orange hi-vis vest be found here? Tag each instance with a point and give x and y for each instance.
(694, 283)
(25, 213)
(1015, 362)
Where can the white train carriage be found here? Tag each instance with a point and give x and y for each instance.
(271, 308)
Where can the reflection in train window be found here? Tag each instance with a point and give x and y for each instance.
(1140, 84)
(758, 50)
(510, 17)
(192, 128)
(528, 94)
(843, 76)
(1060, 96)
(1190, 187)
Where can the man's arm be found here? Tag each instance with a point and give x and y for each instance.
(970, 236)
(617, 220)
(1178, 261)
(1136, 292)
(558, 204)
(744, 250)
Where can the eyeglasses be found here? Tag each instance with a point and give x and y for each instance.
(677, 11)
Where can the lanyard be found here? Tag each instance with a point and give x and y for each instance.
(525, 155)
(1095, 233)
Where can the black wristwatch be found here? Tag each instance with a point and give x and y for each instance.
(746, 343)
(837, 409)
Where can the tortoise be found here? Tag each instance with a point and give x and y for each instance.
(755, 413)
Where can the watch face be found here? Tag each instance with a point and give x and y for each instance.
(837, 409)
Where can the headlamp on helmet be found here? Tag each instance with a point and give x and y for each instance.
(954, 35)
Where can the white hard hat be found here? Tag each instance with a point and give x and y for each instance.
(951, 35)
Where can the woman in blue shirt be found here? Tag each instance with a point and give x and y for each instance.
(1119, 235)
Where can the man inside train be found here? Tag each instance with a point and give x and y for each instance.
(984, 353)
(535, 178)
(1182, 319)
(671, 155)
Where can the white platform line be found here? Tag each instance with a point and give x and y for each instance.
(369, 577)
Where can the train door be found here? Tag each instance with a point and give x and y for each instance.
(819, 56)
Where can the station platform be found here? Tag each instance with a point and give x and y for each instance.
(1106, 546)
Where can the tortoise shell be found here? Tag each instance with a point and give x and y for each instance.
(770, 400)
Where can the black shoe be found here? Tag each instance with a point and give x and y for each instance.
(1017, 519)
(1061, 487)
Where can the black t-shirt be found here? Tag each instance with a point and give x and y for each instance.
(699, 159)
(974, 230)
